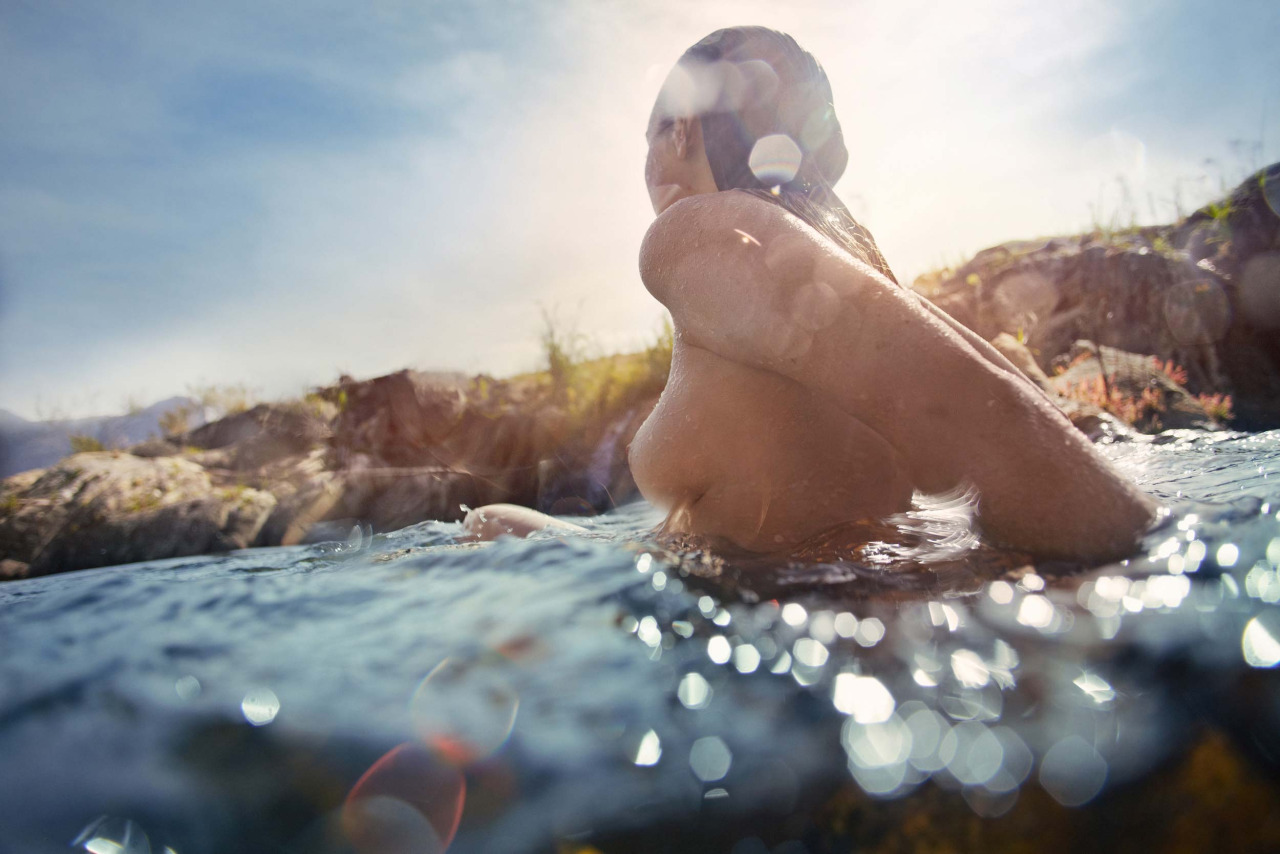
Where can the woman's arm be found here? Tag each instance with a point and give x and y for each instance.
(752, 283)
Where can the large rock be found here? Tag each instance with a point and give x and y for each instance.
(267, 432)
(1203, 293)
(402, 418)
(387, 452)
(100, 509)
(1158, 401)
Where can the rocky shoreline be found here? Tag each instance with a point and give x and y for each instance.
(1161, 327)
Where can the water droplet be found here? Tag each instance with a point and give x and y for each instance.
(846, 624)
(822, 627)
(107, 835)
(1259, 640)
(644, 563)
(648, 631)
(694, 691)
(649, 750)
(863, 697)
(746, 658)
(1196, 552)
(923, 678)
(718, 649)
(869, 632)
(1073, 772)
(793, 614)
(972, 752)
(927, 730)
(187, 687)
(970, 670)
(710, 759)
(1036, 611)
(260, 706)
(1095, 687)
(1228, 554)
(877, 745)
(1001, 592)
(810, 652)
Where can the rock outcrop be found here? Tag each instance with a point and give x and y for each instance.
(98, 509)
(1203, 294)
(385, 453)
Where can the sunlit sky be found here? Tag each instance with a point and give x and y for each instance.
(269, 194)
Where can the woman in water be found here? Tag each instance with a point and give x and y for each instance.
(807, 388)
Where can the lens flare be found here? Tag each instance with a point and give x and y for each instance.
(465, 709)
(775, 159)
(409, 800)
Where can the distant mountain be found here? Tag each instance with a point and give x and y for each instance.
(28, 444)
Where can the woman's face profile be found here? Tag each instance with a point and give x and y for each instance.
(676, 166)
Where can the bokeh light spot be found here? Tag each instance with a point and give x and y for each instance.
(107, 835)
(1261, 641)
(260, 706)
(719, 649)
(1197, 312)
(1073, 772)
(409, 800)
(694, 692)
(464, 708)
(863, 697)
(775, 159)
(187, 687)
(710, 759)
(650, 749)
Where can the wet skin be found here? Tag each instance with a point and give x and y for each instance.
(808, 390)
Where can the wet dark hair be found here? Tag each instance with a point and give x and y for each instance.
(752, 82)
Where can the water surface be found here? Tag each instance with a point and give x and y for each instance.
(602, 690)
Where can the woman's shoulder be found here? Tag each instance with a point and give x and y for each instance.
(736, 232)
(725, 214)
(714, 223)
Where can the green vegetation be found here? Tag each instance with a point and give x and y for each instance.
(564, 351)
(223, 400)
(175, 422)
(589, 386)
(214, 401)
(142, 502)
(81, 444)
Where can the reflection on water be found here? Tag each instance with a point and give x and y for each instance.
(402, 692)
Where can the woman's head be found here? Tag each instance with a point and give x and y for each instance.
(748, 109)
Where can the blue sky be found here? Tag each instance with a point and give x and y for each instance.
(268, 194)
